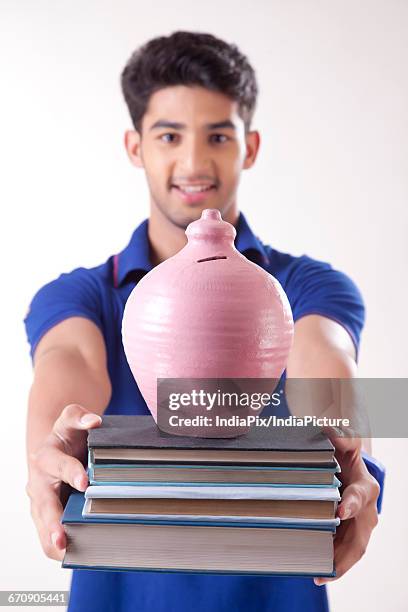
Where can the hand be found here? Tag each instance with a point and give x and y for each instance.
(57, 463)
(358, 508)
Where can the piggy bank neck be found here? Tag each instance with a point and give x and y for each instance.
(211, 235)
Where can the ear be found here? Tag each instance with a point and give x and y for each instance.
(253, 141)
(132, 141)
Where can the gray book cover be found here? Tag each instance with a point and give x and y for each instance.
(141, 431)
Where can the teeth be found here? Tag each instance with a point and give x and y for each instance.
(195, 188)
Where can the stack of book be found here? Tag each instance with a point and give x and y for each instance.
(262, 503)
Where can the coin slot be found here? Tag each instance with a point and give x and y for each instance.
(212, 258)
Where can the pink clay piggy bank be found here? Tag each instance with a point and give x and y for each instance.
(207, 312)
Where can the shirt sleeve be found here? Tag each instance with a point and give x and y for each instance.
(317, 288)
(70, 295)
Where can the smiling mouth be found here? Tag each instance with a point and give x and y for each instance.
(193, 189)
(192, 194)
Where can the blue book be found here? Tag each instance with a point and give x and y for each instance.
(195, 547)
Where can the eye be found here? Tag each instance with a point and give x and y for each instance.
(218, 138)
(169, 137)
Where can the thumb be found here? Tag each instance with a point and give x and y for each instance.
(344, 440)
(72, 419)
(351, 503)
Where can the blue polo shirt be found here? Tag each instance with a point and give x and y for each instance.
(100, 294)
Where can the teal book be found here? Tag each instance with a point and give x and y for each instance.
(215, 475)
(195, 547)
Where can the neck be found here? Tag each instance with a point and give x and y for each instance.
(166, 239)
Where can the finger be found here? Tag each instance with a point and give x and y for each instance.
(322, 581)
(341, 533)
(339, 567)
(52, 520)
(349, 552)
(74, 417)
(349, 548)
(354, 498)
(343, 440)
(51, 514)
(46, 511)
(61, 466)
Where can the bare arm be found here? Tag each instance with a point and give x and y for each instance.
(70, 381)
(323, 349)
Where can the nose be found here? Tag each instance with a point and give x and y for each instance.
(195, 159)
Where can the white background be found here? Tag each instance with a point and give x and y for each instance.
(331, 181)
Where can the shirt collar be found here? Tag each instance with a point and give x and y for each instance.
(136, 256)
(248, 244)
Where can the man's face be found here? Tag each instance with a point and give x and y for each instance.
(193, 148)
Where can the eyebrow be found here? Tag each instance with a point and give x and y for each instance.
(163, 123)
(220, 125)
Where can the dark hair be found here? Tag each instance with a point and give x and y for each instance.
(188, 58)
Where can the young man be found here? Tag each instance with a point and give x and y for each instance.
(191, 98)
